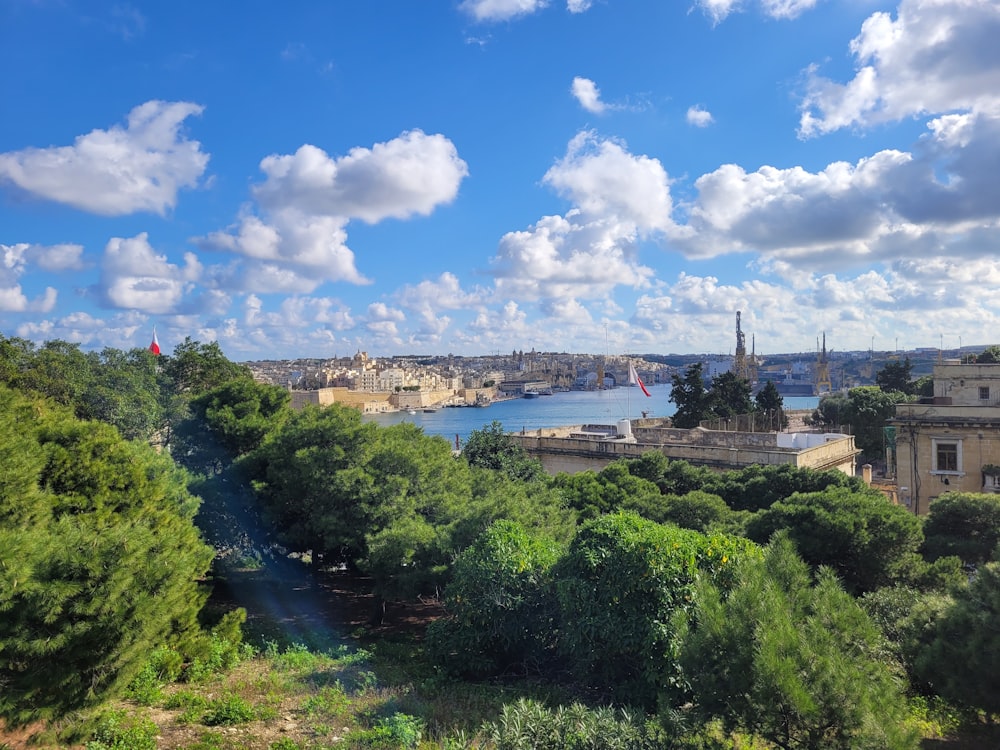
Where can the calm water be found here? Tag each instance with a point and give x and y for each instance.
(572, 407)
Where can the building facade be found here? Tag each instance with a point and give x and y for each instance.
(950, 442)
(592, 447)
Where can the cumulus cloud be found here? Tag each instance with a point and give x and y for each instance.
(940, 198)
(15, 261)
(135, 277)
(409, 175)
(699, 116)
(122, 170)
(589, 96)
(300, 239)
(937, 56)
(618, 199)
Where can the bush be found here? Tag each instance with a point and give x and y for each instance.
(116, 731)
(501, 605)
(228, 710)
(529, 725)
(619, 587)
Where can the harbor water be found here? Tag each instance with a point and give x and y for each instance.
(558, 410)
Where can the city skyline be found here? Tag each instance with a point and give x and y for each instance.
(490, 175)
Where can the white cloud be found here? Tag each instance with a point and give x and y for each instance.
(619, 199)
(140, 167)
(578, 6)
(410, 175)
(134, 276)
(500, 10)
(309, 198)
(938, 199)
(589, 96)
(937, 56)
(699, 116)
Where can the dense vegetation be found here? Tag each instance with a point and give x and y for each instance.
(652, 604)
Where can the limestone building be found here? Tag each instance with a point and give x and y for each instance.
(586, 447)
(950, 442)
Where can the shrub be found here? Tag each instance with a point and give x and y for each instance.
(621, 583)
(501, 605)
(116, 731)
(529, 725)
(230, 709)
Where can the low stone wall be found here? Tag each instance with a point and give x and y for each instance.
(721, 451)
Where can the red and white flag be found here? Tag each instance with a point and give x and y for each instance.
(155, 346)
(634, 379)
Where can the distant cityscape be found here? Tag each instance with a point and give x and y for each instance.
(795, 374)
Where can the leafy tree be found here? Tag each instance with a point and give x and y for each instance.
(860, 536)
(769, 403)
(309, 478)
(757, 487)
(124, 392)
(619, 586)
(896, 376)
(691, 397)
(965, 524)
(797, 664)
(990, 355)
(501, 605)
(195, 368)
(596, 493)
(962, 662)
(229, 421)
(99, 559)
(492, 448)
(699, 511)
(671, 477)
(833, 410)
(865, 410)
(413, 493)
(730, 395)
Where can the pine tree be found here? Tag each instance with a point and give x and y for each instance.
(100, 560)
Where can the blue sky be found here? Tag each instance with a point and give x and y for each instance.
(318, 178)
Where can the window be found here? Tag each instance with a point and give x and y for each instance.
(984, 393)
(947, 456)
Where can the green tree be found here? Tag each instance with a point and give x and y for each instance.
(99, 559)
(229, 421)
(770, 405)
(860, 536)
(309, 478)
(795, 663)
(671, 477)
(596, 493)
(688, 393)
(865, 410)
(990, 355)
(698, 510)
(730, 395)
(492, 448)
(757, 487)
(962, 662)
(964, 524)
(896, 376)
(622, 581)
(501, 605)
(125, 392)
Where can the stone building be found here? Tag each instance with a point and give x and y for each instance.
(950, 442)
(584, 447)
